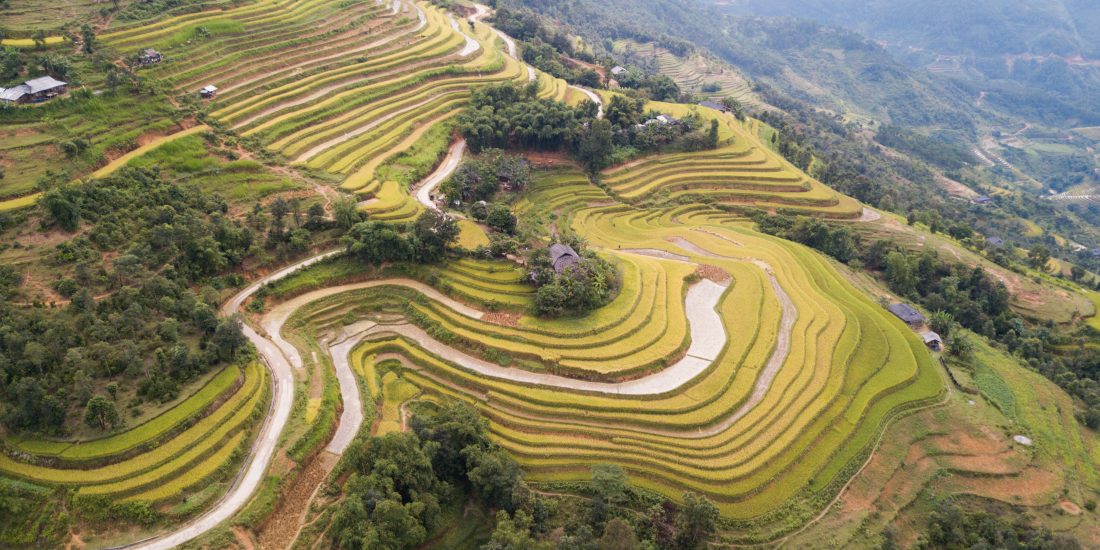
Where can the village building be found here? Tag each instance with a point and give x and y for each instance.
(932, 340)
(982, 199)
(995, 241)
(34, 91)
(563, 256)
(208, 92)
(714, 105)
(618, 70)
(907, 313)
(149, 57)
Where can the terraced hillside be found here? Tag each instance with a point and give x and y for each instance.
(177, 458)
(741, 171)
(342, 87)
(695, 73)
(730, 363)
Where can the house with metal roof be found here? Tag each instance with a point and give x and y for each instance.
(932, 340)
(208, 92)
(34, 90)
(716, 106)
(907, 313)
(618, 70)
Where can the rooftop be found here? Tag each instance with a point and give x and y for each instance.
(43, 83)
(713, 105)
(563, 256)
(906, 313)
(15, 93)
(930, 337)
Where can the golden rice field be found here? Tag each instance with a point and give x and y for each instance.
(779, 418)
(695, 72)
(742, 171)
(337, 86)
(165, 459)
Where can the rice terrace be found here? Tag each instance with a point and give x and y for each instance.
(400, 274)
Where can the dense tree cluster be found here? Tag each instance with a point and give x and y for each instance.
(399, 481)
(153, 332)
(132, 317)
(425, 240)
(482, 178)
(155, 223)
(583, 286)
(949, 156)
(635, 130)
(507, 116)
(953, 525)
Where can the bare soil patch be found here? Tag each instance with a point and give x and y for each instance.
(502, 318)
(713, 273)
(282, 528)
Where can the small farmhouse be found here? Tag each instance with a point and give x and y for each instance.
(618, 70)
(208, 92)
(907, 313)
(716, 106)
(149, 56)
(563, 256)
(34, 91)
(932, 340)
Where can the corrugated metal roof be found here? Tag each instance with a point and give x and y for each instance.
(41, 84)
(14, 94)
(906, 313)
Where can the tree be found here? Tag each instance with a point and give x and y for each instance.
(941, 322)
(11, 63)
(898, 273)
(229, 338)
(39, 38)
(87, 38)
(345, 212)
(712, 135)
(501, 218)
(618, 535)
(610, 483)
(512, 534)
(696, 521)
(376, 243)
(494, 475)
(1076, 272)
(623, 111)
(61, 207)
(595, 148)
(315, 217)
(961, 347)
(434, 232)
(1039, 257)
(101, 413)
(550, 300)
(450, 432)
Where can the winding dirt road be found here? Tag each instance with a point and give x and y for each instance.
(448, 167)
(263, 449)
